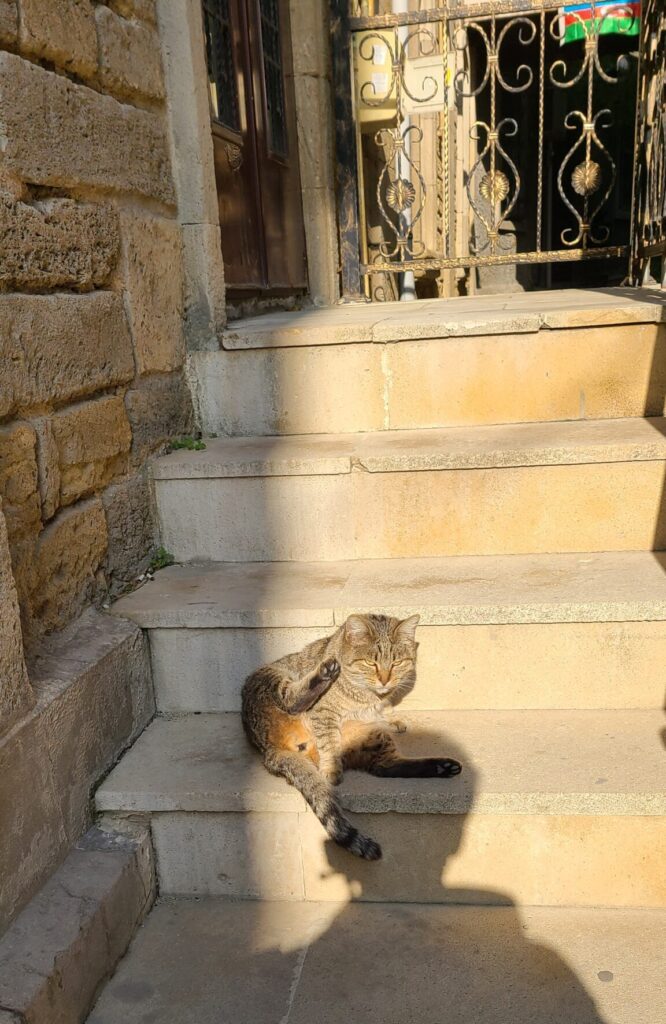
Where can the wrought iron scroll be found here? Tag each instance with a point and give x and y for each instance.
(471, 39)
(650, 179)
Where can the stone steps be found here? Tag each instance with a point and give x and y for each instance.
(521, 631)
(552, 808)
(391, 964)
(519, 489)
(491, 359)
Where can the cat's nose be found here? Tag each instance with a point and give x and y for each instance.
(384, 675)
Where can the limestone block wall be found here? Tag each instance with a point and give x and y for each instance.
(91, 308)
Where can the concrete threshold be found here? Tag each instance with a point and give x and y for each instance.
(524, 313)
(212, 961)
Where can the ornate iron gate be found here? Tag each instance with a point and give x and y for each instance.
(498, 133)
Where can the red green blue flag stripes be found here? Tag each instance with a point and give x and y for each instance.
(578, 21)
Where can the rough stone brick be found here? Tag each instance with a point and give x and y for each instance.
(48, 467)
(61, 347)
(16, 696)
(131, 528)
(144, 9)
(60, 133)
(56, 244)
(62, 31)
(19, 487)
(67, 558)
(153, 271)
(8, 21)
(93, 441)
(129, 56)
(158, 408)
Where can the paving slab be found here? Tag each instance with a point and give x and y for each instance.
(614, 586)
(222, 962)
(518, 762)
(576, 442)
(440, 318)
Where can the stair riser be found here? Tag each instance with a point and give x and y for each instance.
(590, 373)
(531, 859)
(616, 506)
(541, 666)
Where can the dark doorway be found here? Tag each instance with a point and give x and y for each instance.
(253, 122)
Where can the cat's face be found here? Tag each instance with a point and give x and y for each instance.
(380, 652)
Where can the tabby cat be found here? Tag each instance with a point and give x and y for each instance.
(305, 713)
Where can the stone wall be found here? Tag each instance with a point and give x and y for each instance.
(91, 306)
(92, 321)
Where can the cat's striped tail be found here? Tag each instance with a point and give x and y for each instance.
(304, 776)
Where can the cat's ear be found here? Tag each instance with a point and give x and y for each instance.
(356, 629)
(406, 630)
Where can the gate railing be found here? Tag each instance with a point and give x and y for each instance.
(499, 133)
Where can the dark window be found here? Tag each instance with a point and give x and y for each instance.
(273, 76)
(221, 71)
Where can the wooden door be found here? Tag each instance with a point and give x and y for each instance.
(253, 122)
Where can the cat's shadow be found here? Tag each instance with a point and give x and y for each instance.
(476, 959)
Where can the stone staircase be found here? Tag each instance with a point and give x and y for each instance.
(496, 465)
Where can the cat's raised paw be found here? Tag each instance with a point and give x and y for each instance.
(329, 669)
(447, 767)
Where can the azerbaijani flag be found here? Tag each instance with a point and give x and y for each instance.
(608, 16)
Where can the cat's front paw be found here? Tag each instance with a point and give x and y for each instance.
(398, 725)
(446, 767)
(327, 673)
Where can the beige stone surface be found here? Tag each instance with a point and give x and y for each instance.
(204, 295)
(19, 481)
(130, 526)
(250, 855)
(48, 467)
(533, 860)
(552, 763)
(153, 274)
(16, 696)
(8, 21)
(56, 244)
(67, 941)
(556, 665)
(526, 312)
(94, 695)
(159, 408)
(605, 507)
(123, 148)
(67, 558)
(560, 374)
(321, 237)
(463, 591)
(264, 519)
(134, 8)
(56, 348)
(62, 31)
(318, 390)
(389, 964)
(93, 441)
(129, 56)
(552, 808)
(614, 506)
(479, 447)
(311, 34)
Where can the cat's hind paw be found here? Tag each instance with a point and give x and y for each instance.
(446, 767)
